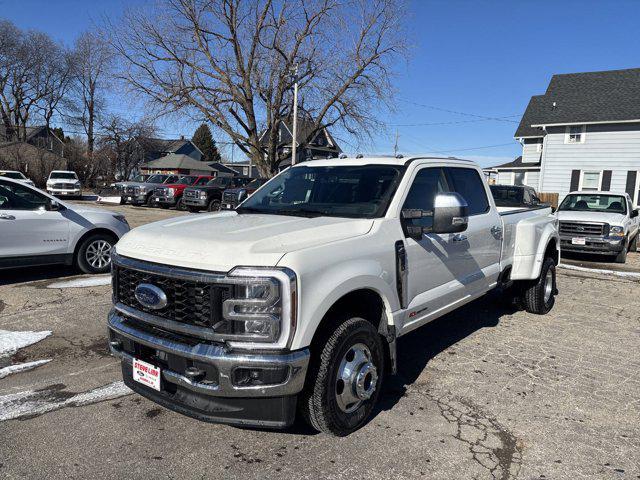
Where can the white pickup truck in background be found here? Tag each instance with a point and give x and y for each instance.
(602, 223)
(294, 301)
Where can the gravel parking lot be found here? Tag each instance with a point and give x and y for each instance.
(488, 392)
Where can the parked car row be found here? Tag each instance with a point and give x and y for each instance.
(188, 192)
(60, 182)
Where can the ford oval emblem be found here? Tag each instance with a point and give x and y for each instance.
(150, 296)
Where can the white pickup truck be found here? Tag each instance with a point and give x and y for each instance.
(294, 301)
(602, 223)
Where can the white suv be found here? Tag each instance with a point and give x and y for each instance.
(16, 176)
(64, 183)
(37, 229)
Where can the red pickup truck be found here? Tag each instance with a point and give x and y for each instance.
(170, 195)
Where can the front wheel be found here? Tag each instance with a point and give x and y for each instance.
(633, 246)
(539, 297)
(344, 378)
(622, 256)
(180, 206)
(214, 205)
(94, 254)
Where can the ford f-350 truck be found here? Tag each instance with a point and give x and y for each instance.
(292, 303)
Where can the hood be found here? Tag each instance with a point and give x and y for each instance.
(597, 217)
(83, 210)
(62, 180)
(221, 241)
(205, 188)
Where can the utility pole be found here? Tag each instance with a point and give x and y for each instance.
(295, 116)
(395, 145)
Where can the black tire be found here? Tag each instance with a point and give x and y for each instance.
(534, 298)
(90, 245)
(122, 201)
(149, 201)
(319, 401)
(633, 246)
(622, 256)
(214, 205)
(180, 206)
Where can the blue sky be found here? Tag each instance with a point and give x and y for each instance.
(482, 58)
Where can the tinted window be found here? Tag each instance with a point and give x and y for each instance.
(426, 185)
(468, 183)
(19, 197)
(156, 179)
(64, 175)
(202, 181)
(16, 175)
(585, 202)
(186, 181)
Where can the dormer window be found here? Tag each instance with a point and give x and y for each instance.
(575, 134)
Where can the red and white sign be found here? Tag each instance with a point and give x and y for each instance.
(146, 374)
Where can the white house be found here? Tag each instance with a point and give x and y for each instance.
(582, 134)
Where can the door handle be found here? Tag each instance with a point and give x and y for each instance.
(459, 238)
(496, 230)
(6, 216)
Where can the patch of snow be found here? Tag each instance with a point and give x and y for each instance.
(11, 342)
(601, 271)
(95, 281)
(109, 200)
(21, 367)
(37, 402)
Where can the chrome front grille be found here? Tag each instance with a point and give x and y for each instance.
(192, 302)
(229, 197)
(191, 193)
(583, 229)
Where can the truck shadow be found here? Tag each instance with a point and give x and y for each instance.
(418, 348)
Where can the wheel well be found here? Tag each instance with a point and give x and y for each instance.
(363, 303)
(552, 251)
(86, 235)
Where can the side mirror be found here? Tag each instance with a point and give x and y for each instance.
(634, 213)
(450, 213)
(54, 206)
(449, 216)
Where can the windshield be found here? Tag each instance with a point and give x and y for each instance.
(140, 178)
(157, 178)
(186, 181)
(257, 183)
(16, 175)
(344, 191)
(219, 182)
(594, 203)
(506, 196)
(64, 175)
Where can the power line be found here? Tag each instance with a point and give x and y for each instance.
(427, 124)
(486, 117)
(472, 148)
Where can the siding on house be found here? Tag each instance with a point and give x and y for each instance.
(614, 147)
(530, 152)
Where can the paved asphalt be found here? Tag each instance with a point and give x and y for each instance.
(488, 392)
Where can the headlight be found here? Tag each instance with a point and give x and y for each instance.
(203, 194)
(242, 194)
(142, 189)
(170, 191)
(262, 309)
(616, 231)
(77, 184)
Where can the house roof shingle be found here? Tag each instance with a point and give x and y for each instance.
(607, 96)
(178, 161)
(517, 163)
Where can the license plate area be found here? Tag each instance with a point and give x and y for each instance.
(578, 241)
(146, 374)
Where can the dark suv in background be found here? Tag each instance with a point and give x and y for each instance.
(209, 196)
(232, 197)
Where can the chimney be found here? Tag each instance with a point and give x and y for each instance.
(181, 137)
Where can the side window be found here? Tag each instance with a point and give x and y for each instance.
(467, 182)
(19, 197)
(427, 183)
(202, 181)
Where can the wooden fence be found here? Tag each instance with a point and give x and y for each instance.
(550, 198)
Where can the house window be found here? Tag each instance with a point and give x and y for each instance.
(245, 171)
(539, 147)
(590, 181)
(575, 134)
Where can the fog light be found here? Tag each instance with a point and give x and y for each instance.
(246, 377)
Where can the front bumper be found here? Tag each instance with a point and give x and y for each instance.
(67, 192)
(195, 202)
(134, 199)
(212, 396)
(163, 200)
(595, 245)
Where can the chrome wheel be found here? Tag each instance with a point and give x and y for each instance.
(357, 378)
(548, 286)
(98, 254)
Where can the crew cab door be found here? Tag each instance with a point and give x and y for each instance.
(443, 270)
(26, 227)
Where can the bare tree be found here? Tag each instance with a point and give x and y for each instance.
(230, 62)
(35, 74)
(124, 145)
(94, 61)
